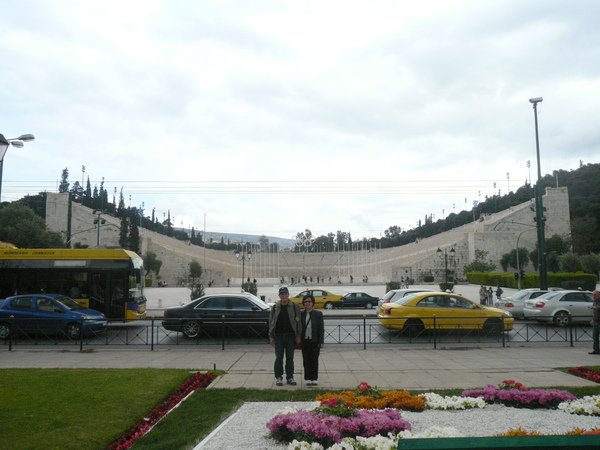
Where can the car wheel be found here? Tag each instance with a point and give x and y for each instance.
(328, 305)
(413, 327)
(369, 305)
(4, 331)
(562, 318)
(191, 329)
(492, 327)
(73, 330)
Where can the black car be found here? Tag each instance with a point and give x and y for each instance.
(359, 300)
(234, 314)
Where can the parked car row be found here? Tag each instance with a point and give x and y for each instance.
(328, 300)
(48, 314)
(409, 310)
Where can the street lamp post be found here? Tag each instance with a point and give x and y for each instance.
(446, 253)
(98, 221)
(243, 255)
(4, 144)
(539, 207)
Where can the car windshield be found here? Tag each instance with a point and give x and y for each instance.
(258, 301)
(389, 295)
(70, 303)
(519, 295)
(406, 298)
(549, 295)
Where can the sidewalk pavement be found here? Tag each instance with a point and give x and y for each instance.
(341, 367)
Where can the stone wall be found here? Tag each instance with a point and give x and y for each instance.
(497, 234)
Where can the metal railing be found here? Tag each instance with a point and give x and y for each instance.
(356, 330)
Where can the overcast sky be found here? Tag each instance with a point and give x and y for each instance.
(275, 116)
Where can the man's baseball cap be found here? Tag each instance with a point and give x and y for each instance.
(283, 290)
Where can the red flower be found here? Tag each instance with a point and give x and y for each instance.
(331, 402)
(193, 383)
(364, 386)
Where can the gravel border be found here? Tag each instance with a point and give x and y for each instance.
(246, 427)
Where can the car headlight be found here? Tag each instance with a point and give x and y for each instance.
(507, 314)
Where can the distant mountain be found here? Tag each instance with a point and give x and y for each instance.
(238, 237)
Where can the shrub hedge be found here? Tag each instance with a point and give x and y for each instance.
(574, 280)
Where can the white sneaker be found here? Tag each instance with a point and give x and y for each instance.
(314, 382)
(308, 382)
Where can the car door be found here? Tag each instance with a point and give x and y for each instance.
(22, 314)
(351, 300)
(212, 311)
(578, 304)
(246, 315)
(320, 298)
(50, 316)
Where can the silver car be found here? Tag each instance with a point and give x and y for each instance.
(396, 294)
(516, 302)
(560, 307)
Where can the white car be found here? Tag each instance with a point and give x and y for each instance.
(516, 302)
(560, 307)
(396, 294)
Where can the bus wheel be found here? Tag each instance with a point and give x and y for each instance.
(73, 330)
(4, 331)
(191, 329)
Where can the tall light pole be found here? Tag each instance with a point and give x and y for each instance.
(98, 221)
(243, 255)
(539, 206)
(446, 253)
(4, 144)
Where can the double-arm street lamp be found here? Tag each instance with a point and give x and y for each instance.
(539, 207)
(447, 255)
(4, 144)
(98, 220)
(243, 255)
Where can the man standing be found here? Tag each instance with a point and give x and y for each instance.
(313, 337)
(284, 335)
(596, 322)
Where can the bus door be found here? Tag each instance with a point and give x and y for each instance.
(99, 288)
(119, 292)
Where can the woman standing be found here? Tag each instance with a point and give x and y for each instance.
(313, 337)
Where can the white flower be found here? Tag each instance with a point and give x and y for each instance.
(431, 432)
(303, 445)
(586, 406)
(286, 410)
(436, 401)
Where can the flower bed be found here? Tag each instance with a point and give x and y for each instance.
(367, 397)
(339, 421)
(586, 372)
(193, 383)
(519, 398)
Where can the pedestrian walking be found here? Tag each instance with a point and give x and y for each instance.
(284, 335)
(499, 292)
(490, 296)
(313, 337)
(482, 295)
(596, 322)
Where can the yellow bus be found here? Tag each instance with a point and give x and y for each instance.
(107, 280)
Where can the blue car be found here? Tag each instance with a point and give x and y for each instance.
(48, 314)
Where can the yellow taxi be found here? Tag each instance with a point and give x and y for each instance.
(422, 311)
(323, 299)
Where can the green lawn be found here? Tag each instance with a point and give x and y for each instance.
(77, 408)
(90, 408)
